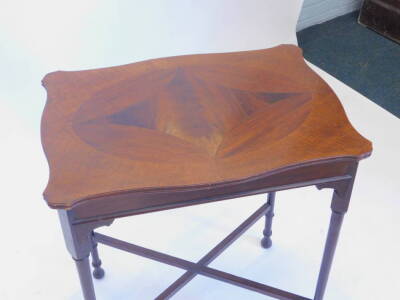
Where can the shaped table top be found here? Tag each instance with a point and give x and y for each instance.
(188, 121)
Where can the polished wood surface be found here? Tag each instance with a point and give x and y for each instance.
(191, 123)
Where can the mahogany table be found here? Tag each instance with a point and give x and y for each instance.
(186, 130)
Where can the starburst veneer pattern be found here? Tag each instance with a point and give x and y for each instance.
(186, 111)
(115, 134)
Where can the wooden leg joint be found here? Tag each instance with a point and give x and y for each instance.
(78, 237)
(341, 190)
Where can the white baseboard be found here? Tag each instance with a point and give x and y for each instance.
(318, 11)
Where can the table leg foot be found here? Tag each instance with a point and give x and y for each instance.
(98, 271)
(266, 241)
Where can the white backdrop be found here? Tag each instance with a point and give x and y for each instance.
(37, 37)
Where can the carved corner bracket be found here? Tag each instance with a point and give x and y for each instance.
(78, 237)
(342, 190)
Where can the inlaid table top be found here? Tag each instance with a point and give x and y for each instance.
(125, 135)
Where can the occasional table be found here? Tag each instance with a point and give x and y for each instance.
(186, 130)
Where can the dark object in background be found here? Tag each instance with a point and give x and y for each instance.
(361, 58)
(382, 16)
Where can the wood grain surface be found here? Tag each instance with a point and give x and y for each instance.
(190, 121)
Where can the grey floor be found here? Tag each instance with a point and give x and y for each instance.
(361, 58)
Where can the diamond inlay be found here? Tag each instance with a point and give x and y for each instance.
(179, 108)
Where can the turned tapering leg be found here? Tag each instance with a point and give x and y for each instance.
(98, 271)
(330, 247)
(85, 278)
(79, 241)
(266, 242)
(340, 204)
